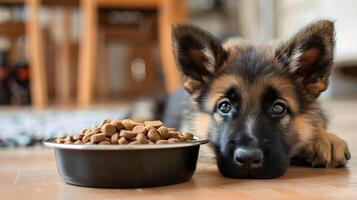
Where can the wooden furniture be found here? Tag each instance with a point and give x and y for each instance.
(12, 30)
(136, 39)
(30, 173)
(36, 53)
(36, 60)
(170, 11)
(39, 95)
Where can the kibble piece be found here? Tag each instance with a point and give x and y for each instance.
(86, 138)
(162, 142)
(182, 138)
(77, 142)
(128, 124)
(60, 140)
(171, 129)
(108, 129)
(118, 125)
(164, 133)
(97, 137)
(96, 130)
(135, 142)
(84, 131)
(142, 138)
(188, 135)
(88, 132)
(89, 142)
(163, 129)
(104, 142)
(147, 127)
(104, 122)
(173, 140)
(127, 134)
(150, 142)
(77, 137)
(68, 140)
(153, 135)
(123, 140)
(174, 134)
(114, 139)
(139, 129)
(155, 124)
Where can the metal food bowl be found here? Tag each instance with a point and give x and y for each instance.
(126, 166)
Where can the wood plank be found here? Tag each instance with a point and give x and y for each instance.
(38, 83)
(168, 15)
(12, 29)
(102, 73)
(12, 2)
(88, 54)
(61, 2)
(63, 66)
(137, 4)
(112, 32)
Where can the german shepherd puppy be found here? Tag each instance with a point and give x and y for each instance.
(257, 105)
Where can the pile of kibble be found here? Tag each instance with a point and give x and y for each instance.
(127, 132)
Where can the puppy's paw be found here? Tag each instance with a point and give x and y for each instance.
(328, 150)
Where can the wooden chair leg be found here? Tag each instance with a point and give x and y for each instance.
(151, 81)
(39, 93)
(169, 12)
(102, 73)
(63, 66)
(13, 48)
(87, 57)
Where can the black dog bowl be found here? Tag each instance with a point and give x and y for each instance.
(126, 166)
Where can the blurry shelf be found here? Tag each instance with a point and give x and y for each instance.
(45, 2)
(117, 32)
(12, 28)
(61, 2)
(137, 4)
(12, 2)
(346, 59)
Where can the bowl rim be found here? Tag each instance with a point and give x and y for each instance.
(51, 143)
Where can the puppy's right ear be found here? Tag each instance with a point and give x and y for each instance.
(198, 54)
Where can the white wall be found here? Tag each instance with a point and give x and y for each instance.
(293, 14)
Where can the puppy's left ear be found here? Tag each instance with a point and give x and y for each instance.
(308, 56)
(198, 55)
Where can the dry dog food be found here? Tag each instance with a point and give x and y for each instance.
(127, 132)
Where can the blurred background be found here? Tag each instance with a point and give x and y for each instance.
(66, 64)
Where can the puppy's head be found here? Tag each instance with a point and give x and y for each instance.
(255, 103)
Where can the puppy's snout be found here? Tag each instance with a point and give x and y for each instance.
(249, 158)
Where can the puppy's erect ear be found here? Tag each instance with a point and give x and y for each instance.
(308, 56)
(198, 54)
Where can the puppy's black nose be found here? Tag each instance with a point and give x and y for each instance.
(250, 158)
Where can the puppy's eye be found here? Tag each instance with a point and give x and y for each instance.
(224, 106)
(278, 109)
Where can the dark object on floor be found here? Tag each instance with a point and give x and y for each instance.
(4, 93)
(4, 89)
(20, 84)
(21, 140)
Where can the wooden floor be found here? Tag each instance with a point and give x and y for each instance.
(31, 174)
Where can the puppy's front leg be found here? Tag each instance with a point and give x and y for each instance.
(324, 150)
